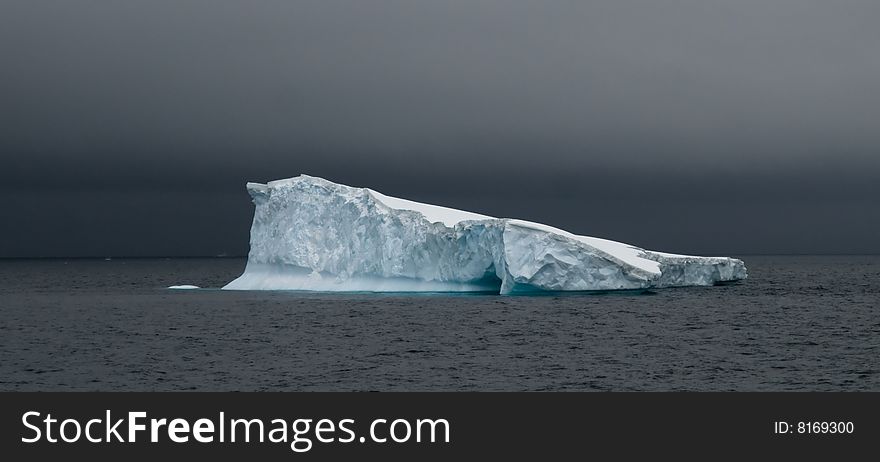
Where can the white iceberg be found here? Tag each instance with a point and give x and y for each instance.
(312, 234)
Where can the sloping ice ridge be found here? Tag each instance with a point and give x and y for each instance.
(312, 234)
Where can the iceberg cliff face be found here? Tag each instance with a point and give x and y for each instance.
(312, 234)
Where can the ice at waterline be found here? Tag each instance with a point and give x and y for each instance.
(312, 234)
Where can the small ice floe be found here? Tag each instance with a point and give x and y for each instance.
(185, 286)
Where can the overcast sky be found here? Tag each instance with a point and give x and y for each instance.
(704, 126)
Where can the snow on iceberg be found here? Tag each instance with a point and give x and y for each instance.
(312, 234)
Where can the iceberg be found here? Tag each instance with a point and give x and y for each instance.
(312, 234)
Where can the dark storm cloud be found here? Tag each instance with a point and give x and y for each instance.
(588, 115)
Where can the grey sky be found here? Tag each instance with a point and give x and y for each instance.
(695, 126)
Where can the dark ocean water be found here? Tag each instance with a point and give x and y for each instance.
(798, 323)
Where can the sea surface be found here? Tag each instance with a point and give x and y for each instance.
(797, 323)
